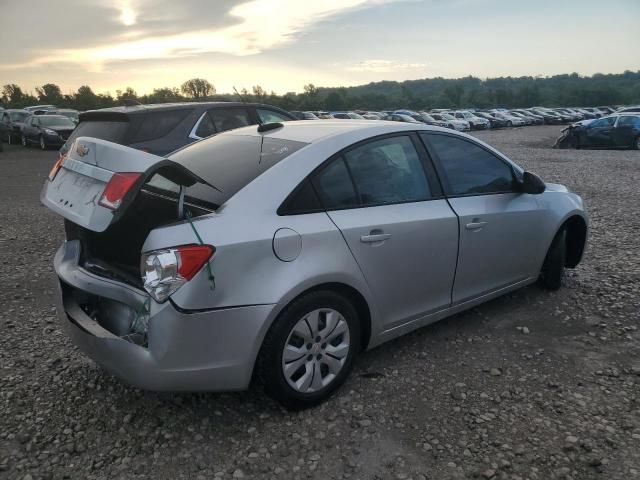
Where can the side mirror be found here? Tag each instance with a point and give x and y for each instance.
(532, 183)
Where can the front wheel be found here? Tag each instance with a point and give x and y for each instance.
(43, 144)
(636, 143)
(553, 266)
(23, 141)
(309, 350)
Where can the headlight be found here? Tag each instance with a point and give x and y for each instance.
(165, 271)
(48, 131)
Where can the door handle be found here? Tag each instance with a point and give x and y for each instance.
(378, 237)
(475, 225)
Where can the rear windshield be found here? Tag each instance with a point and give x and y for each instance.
(159, 123)
(55, 121)
(227, 162)
(105, 130)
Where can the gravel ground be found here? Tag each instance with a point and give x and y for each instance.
(534, 385)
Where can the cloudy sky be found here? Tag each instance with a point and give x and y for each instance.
(284, 44)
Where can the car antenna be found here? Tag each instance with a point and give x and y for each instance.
(238, 93)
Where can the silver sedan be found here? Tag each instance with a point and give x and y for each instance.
(279, 252)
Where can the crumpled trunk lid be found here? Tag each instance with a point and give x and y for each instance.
(87, 168)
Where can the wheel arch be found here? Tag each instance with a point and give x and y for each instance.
(576, 239)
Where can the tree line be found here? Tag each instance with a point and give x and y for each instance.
(509, 92)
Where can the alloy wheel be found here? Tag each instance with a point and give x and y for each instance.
(43, 145)
(316, 350)
(23, 140)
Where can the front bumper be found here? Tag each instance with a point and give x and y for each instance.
(186, 351)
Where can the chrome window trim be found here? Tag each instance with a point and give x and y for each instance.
(192, 133)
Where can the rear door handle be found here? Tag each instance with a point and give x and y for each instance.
(475, 225)
(378, 237)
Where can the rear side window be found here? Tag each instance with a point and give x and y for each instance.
(629, 121)
(334, 186)
(157, 124)
(229, 118)
(269, 116)
(110, 131)
(468, 168)
(205, 127)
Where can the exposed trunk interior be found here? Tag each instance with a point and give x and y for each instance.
(115, 253)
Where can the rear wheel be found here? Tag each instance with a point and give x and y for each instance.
(309, 350)
(553, 267)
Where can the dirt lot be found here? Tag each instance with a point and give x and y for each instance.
(474, 396)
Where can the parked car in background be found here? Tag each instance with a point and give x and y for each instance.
(452, 122)
(572, 114)
(304, 115)
(74, 115)
(11, 124)
(512, 120)
(550, 117)
(347, 116)
(475, 122)
(527, 120)
(614, 131)
(537, 119)
(46, 130)
(635, 109)
(494, 121)
(607, 110)
(163, 128)
(426, 118)
(397, 117)
(34, 108)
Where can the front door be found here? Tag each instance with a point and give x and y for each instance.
(402, 233)
(500, 238)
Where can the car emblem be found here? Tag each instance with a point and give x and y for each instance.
(82, 149)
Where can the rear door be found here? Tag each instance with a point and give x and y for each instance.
(500, 238)
(626, 129)
(385, 200)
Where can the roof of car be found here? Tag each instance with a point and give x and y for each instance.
(310, 132)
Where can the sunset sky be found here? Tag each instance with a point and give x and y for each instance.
(284, 44)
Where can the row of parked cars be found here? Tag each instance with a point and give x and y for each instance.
(43, 125)
(162, 128)
(470, 119)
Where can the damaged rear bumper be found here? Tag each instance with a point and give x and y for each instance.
(185, 351)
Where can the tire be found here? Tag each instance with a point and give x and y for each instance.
(42, 143)
(9, 139)
(302, 343)
(636, 143)
(553, 266)
(23, 141)
(510, 124)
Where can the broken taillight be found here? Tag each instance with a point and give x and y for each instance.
(56, 167)
(165, 271)
(117, 188)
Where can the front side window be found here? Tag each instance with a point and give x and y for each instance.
(269, 116)
(229, 118)
(603, 122)
(468, 168)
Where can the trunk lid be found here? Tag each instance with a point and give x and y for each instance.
(87, 168)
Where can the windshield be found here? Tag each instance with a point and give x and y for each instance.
(446, 116)
(428, 117)
(355, 116)
(18, 116)
(55, 121)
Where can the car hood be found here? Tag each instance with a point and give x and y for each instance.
(60, 128)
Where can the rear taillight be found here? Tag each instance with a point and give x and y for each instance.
(165, 271)
(56, 167)
(117, 188)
